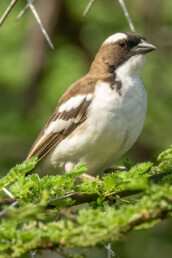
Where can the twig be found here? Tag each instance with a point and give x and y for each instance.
(32, 8)
(127, 14)
(88, 7)
(80, 198)
(23, 11)
(7, 11)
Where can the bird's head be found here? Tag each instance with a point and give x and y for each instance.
(122, 48)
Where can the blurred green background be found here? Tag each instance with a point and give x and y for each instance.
(33, 77)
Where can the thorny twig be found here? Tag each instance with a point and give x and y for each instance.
(32, 8)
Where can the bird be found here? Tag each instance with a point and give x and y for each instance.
(101, 115)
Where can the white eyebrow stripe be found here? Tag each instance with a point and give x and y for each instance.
(58, 125)
(115, 37)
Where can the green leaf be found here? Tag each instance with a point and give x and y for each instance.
(165, 166)
(140, 169)
(18, 171)
(165, 155)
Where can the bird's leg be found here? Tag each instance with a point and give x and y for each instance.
(92, 178)
(108, 170)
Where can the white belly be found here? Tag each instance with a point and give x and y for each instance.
(113, 125)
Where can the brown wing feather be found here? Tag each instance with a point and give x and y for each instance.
(45, 143)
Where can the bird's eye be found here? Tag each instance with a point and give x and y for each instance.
(122, 44)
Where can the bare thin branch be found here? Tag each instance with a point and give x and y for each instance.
(88, 7)
(32, 8)
(7, 11)
(127, 14)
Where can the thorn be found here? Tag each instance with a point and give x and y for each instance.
(23, 11)
(61, 197)
(127, 15)
(88, 7)
(32, 8)
(8, 192)
(7, 11)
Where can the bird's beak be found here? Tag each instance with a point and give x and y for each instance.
(144, 47)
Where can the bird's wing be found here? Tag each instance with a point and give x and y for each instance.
(70, 112)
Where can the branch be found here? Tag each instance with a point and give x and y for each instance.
(103, 225)
(81, 198)
(160, 213)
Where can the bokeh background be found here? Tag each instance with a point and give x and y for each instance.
(33, 77)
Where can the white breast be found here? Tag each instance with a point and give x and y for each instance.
(113, 125)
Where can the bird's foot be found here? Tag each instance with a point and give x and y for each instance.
(92, 178)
